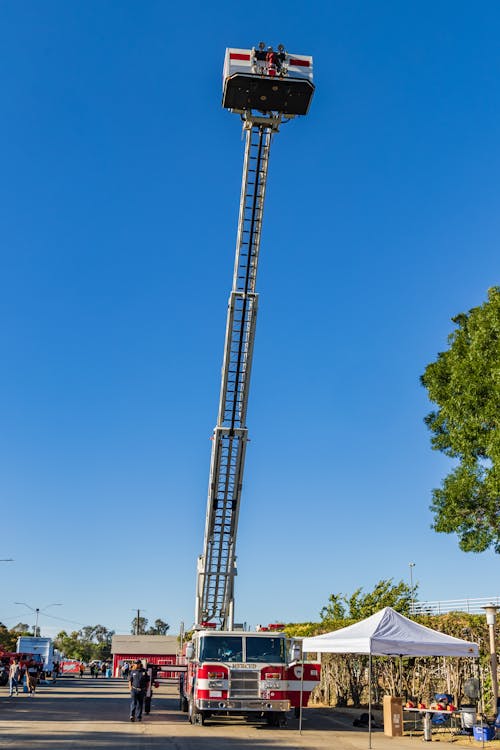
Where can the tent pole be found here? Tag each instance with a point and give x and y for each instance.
(370, 700)
(301, 693)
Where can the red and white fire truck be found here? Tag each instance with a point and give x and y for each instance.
(245, 673)
(231, 671)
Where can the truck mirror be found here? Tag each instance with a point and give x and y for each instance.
(189, 651)
(295, 652)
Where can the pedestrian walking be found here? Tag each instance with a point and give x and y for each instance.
(32, 678)
(125, 670)
(81, 669)
(14, 675)
(138, 683)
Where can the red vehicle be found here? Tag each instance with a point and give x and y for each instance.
(25, 660)
(248, 674)
(232, 671)
(69, 667)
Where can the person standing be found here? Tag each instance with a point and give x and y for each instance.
(81, 669)
(138, 682)
(32, 677)
(14, 673)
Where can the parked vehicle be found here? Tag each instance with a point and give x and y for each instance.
(249, 674)
(25, 660)
(41, 647)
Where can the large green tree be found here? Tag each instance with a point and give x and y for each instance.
(8, 638)
(358, 605)
(139, 626)
(91, 642)
(159, 628)
(464, 383)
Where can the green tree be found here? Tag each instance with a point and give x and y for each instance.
(464, 383)
(359, 605)
(8, 638)
(159, 628)
(91, 642)
(22, 628)
(139, 626)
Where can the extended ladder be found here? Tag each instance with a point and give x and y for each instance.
(217, 564)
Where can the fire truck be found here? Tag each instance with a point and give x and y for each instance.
(229, 671)
(256, 675)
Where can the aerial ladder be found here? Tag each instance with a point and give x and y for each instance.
(265, 87)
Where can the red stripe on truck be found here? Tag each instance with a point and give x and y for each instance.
(239, 56)
(303, 63)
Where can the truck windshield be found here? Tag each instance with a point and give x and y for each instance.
(266, 650)
(223, 648)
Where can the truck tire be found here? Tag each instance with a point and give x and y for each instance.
(276, 719)
(183, 704)
(194, 715)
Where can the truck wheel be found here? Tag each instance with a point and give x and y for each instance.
(195, 716)
(192, 712)
(276, 719)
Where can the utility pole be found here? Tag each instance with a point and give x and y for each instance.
(38, 612)
(137, 622)
(181, 636)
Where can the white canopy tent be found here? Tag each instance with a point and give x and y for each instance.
(387, 633)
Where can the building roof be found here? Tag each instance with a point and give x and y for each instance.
(144, 644)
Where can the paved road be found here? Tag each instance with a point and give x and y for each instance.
(93, 714)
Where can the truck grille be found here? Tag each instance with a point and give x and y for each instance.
(243, 683)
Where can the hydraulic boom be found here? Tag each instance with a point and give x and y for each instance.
(278, 88)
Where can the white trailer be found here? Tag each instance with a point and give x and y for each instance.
(43, 647)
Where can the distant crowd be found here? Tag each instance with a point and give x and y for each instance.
(96, 668)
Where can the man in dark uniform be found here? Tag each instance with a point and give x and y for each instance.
(138, 682)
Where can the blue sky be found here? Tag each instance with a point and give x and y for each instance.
(119, 196)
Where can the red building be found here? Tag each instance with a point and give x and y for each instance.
(156, 649)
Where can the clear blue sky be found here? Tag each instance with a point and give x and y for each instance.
(120, 181)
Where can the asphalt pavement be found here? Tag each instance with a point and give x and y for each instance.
(78, 714)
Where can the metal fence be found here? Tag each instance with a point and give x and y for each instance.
(471, 606)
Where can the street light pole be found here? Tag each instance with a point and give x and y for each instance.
(412, 605)
(37, 612)
(491, 618)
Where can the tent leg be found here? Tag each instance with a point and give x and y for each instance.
(369, 701)
(301, 694)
